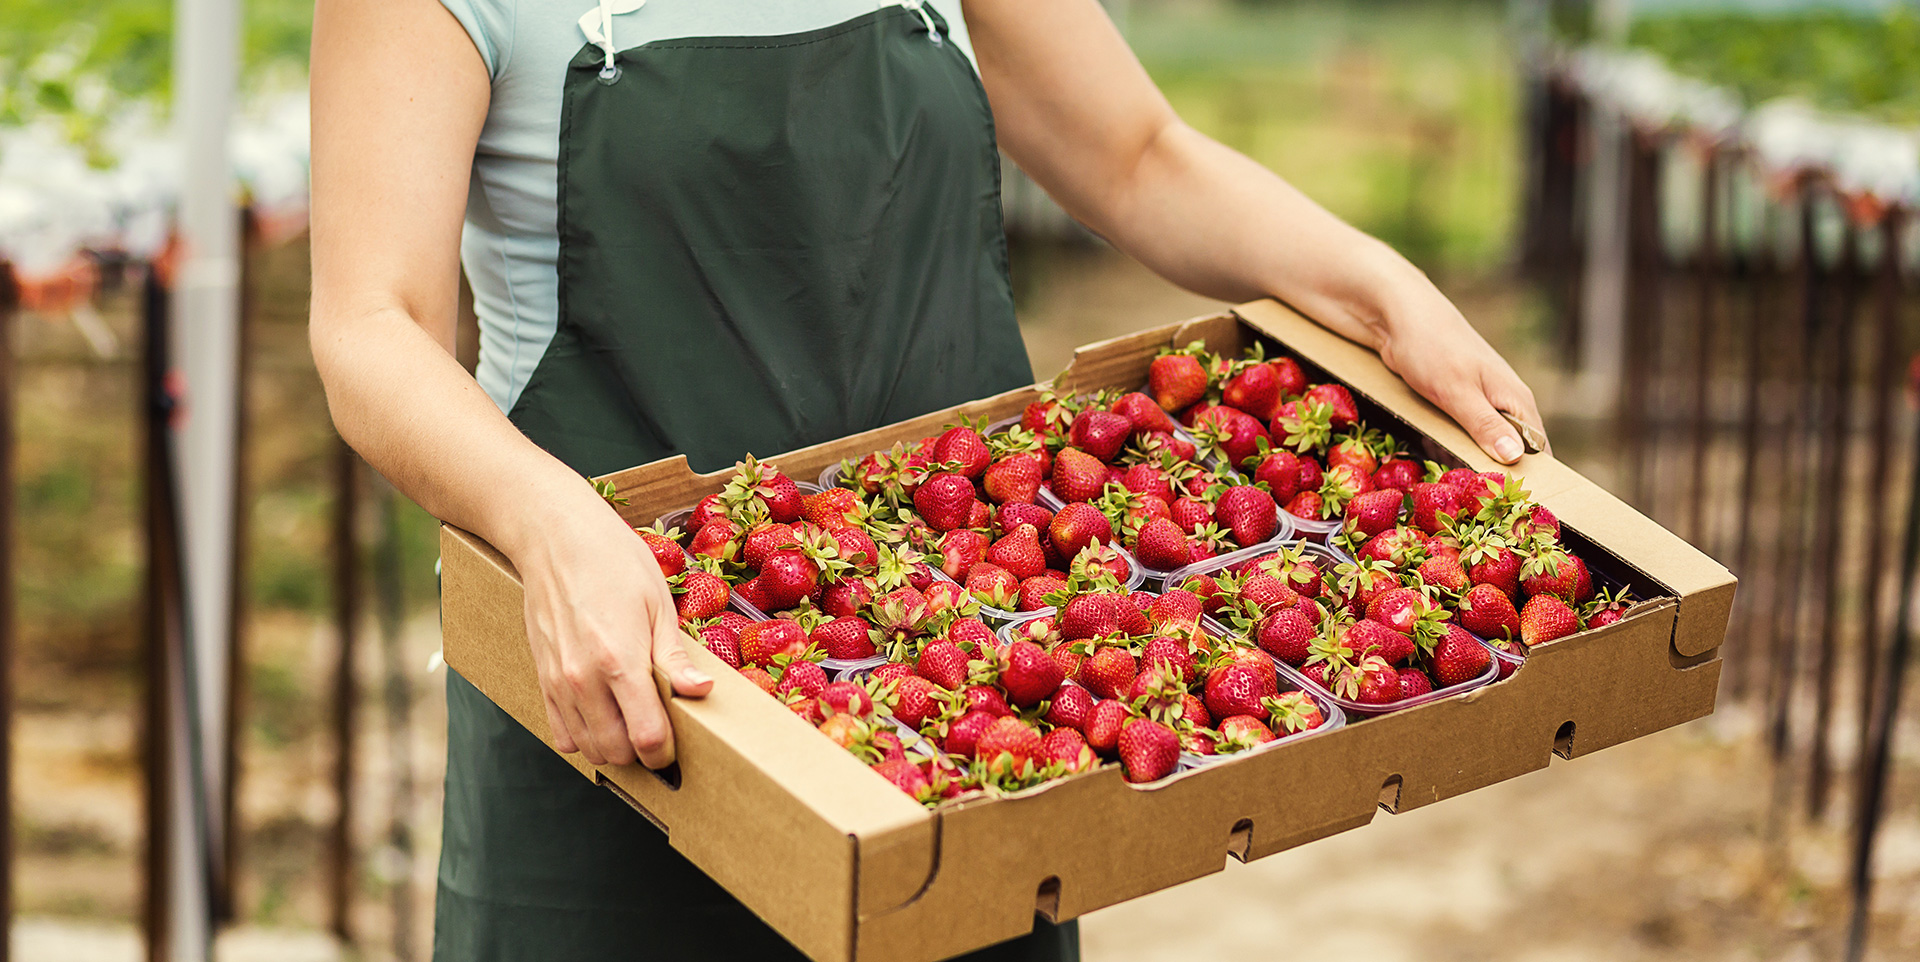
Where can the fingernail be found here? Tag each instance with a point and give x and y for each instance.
(695, 676)
(1507, 448)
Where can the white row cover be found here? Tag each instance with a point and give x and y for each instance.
(54, 204)
(1787, 135)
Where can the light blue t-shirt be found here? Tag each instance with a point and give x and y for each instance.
(511, 245)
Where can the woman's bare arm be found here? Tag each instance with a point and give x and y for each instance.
(399, 97)
(1074, 108)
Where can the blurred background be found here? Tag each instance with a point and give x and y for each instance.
(1686, 223)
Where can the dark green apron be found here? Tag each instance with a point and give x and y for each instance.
(765, 242)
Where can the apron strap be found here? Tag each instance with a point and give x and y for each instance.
(597, 25)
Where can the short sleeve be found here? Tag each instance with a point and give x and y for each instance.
(489, 24)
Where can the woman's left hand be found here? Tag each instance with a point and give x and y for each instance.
(1430, 344)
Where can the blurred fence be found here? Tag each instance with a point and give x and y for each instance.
(1742, 299)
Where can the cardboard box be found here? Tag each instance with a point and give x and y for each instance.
(849, 868)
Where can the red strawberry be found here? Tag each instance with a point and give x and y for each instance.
(1339, 401)
(1100, 433)
(1078, 525)
(1176, 607)
(1414, 683)
(667, 553)
(715, 540)
(1280, 472)
(915, 700)
(782, 497)
(1373, 638)
(960, 550)
(1007, 745)
(1143, 412)
(1398, 473)
(1241, 732)
(1103, 725)
(700, 594)
(984, 698)
(1067, 748)
(1545, 618)
(1088, 616)
(786, 577)
(845, 639)
(846, 597)
(1148, 482)
(1019, 552)
(1172, 653)
(1078, 476)
(1234, 690)
(1015, 477)
(846, 698)
(1444, 572)
(761, 641)
(1176, 381)
(963, 734)
(1354, 453)
(1149, 750)
(1536, 523)
(1070, 707)
(1248, 513)
(724, 645)
(1029, 674)
(709, 510)
(1286, 635)
(1371, 681)
(893, 671)
(1254, 390)
(1397, 608)
(1488, 612)
(1498, 566)
(1293, 712)
(945, 500)
(970, 631)
(1046, 417)
(1014, 514)
(855, 546)
(1034, 591)
(963, 451)
(1373, 512)
(1236, 433)
(1161, 545)
(943, 663)
(832, 508)
(1288, 377)
(1191, 513)
(1458, 658)
(1107, 673)
(906, 777)
(1306, 504)
(994, 586)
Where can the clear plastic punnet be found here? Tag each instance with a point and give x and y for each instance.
(1334, 718)
(1240, 558)
(1356, 709)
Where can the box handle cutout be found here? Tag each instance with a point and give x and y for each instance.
(1240, 840)
(634, 803)
(1390, 794)
(1046, 901)
(1563, 741)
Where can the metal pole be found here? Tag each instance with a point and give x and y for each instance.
(1886, 708)
(1793, 513)
(1760, 274)
(1643, 308)
(9, 302)
(1886, 400)
(1838, 434)
(226, 879)
(346, 607)
(1707, 275)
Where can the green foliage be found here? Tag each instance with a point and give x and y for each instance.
(1867, 63)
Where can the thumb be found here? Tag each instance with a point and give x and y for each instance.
(1486, 425)
(670, 655)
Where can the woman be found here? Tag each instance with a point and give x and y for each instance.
(711, 227)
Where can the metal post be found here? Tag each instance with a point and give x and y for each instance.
(346, 608)
(1707, 275)
(9, 302)
(1642, 311)
(226, 878)
(1793, 507)
(1886, 400)
(1837, 410)
(1761, 274)
(1885, 709)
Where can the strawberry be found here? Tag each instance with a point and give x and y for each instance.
(854, 546)
(1404, 545)
(1493, 564)
(1303, 425)
(1414, 683)
(1444, 572)
(1103, 724)
(715, 540)
(1107, 673)
(1241, 732)
(1019, 552)
(972, 632)
(1488, 612)
(1288, 377)
(1176, 381)
(1100, 433)
(700, 594)
(1015, 477)
(1148, 481)
(1171, 653)
(1068, 749)
(1267, 591)
(846, 597)
(1088, 616)
(1370, 681)
(963, 451)
(782, 497)
(1046, 417)
(1143, 412)
(907, 778)
(1545, 618)
(915, 700)
(1397, 608)
(1078, 476)
(1070, 707)
(945, 500)
(763, 540)
(753, 592)
(1254, 390)
(1293, 712)
(832, 508)
(759, 676)
(1234, 690)
(1007, 746)
(1279, 470)
(1029, 674)
(963, 734)
(845, 639)
(1015, 514)
(893, 672)
(724, 645)
(1338, 401)
(1078, 525)
(1535, 523)
(1459, 658)
(1161, 545)
(787, 576)
(1370, 637)
(1397, 473)
(1034, 591)
(708, 510)
(1233, 432)
(1306, 504)
(960, 550)
(984, 698)
(1149, 750)
(1370, 513)
(1248, 513)
(761, 641)
(667, 553)
(943, 663)
(1354, 453)
(994, 586)
(1286, 635)
(1176, 607)
(846, 698)
(1167, 444)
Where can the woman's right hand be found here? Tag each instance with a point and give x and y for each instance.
(599, 618)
